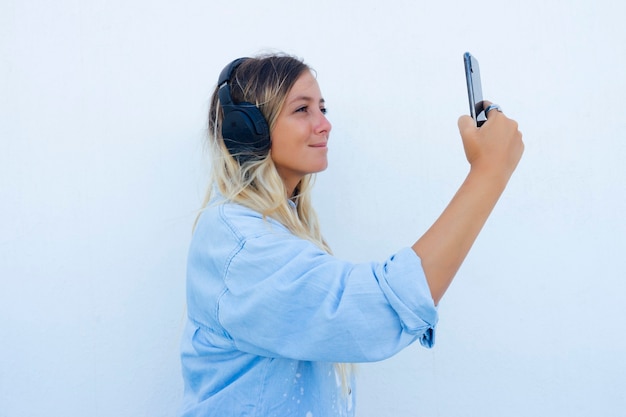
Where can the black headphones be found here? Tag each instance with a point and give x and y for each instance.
(244, 129)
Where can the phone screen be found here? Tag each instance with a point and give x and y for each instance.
(474, 89)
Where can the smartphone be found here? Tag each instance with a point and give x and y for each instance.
(474, 89)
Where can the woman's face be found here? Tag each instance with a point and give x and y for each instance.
(300, 133)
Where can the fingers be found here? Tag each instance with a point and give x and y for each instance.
(492, 108)
(495, 116)
(494, 145)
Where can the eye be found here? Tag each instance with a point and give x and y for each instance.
(305, 109)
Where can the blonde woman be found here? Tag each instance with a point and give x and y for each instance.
(274, 319)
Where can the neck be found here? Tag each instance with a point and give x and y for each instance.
(291, 188)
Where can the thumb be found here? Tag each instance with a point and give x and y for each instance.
(466, 125)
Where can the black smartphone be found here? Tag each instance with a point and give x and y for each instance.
(474, 89)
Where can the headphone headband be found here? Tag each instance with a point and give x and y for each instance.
(224, 79)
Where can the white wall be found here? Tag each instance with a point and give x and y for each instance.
(101, 123)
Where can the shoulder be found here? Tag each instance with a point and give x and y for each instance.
(227, 220)
(240, 246)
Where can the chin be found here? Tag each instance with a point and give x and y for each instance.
(321, 167)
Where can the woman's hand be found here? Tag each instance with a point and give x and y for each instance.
(494, 148)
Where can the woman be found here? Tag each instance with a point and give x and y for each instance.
(274, 320)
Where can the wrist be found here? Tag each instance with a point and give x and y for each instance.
(490, 175)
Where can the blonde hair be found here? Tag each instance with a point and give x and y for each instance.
(264, 81)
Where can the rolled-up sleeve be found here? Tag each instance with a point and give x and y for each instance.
(405, 287)
(285, 297)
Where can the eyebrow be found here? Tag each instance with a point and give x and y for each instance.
(305, 98)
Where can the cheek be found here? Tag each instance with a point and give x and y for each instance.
(282, 148)
(286, 140)
(278, 145)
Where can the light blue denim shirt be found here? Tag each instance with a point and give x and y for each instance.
(270, 313)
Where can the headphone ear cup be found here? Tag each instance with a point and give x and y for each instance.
(245, 131)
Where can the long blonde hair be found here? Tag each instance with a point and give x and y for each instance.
(264, 81)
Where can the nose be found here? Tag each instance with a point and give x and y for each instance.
(323, 125)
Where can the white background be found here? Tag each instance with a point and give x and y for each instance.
(102, 168)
